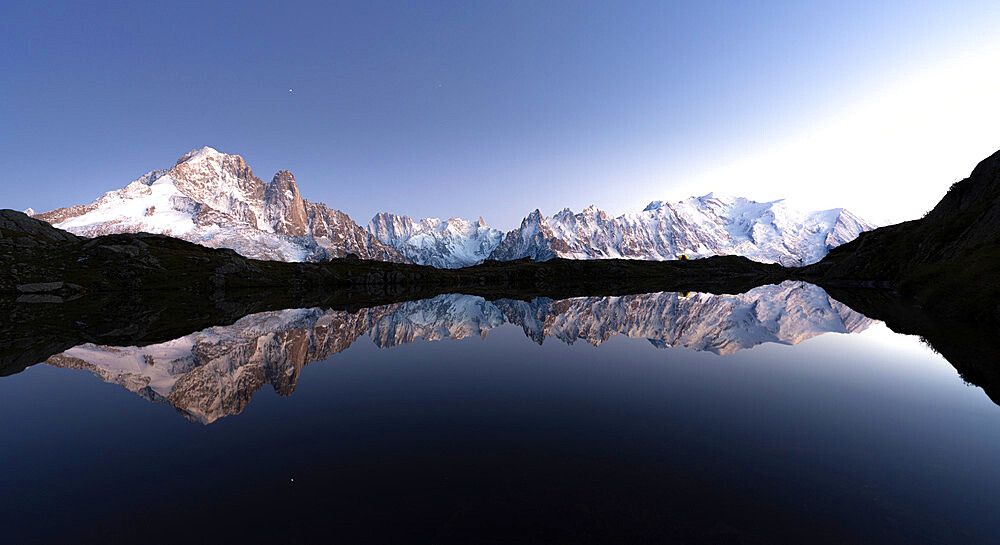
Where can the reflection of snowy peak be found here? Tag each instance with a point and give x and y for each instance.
(788, 313)
(698, 227)
(431, 241)
(214, 372)
(451, 316)
(214, 199)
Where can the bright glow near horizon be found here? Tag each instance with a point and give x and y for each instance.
(922, 134)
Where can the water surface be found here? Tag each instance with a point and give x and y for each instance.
(778, 415)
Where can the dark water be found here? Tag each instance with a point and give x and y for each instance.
(774, 416)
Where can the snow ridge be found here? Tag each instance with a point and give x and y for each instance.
(770, 232)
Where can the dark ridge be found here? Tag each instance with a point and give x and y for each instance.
(948, 261)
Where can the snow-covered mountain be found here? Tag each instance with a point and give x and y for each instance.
(431, 241)
(770, 232)
(215, 372)
(214, 199)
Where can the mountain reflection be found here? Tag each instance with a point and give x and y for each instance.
(214, 372)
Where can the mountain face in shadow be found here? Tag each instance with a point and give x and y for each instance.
(947, 261)
(214, 372)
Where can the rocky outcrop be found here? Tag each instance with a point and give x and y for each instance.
(20, 225)
(284, 208)
(342, 237)
(534, 239)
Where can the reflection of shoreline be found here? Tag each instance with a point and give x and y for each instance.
(214, 372)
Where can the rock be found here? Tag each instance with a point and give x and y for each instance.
(20, 222)
(39, 298)
(40, 287)
(117, 251)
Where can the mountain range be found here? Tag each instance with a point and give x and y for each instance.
(214, 199)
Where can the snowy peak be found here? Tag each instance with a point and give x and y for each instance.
(391, 229)
(214, 199)
(222, 182)
(770, 232)
(204, 154)
(452, 243)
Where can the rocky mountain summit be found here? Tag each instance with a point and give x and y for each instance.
(770, 232)
(215, 200)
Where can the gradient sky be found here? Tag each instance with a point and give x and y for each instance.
(493, 109)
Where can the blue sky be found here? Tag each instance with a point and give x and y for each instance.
(494, 109)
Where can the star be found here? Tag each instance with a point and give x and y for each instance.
(289, 90)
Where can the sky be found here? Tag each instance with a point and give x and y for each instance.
(493, 109)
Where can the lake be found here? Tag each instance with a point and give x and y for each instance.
(779, 415)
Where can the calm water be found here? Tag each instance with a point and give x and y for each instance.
(777, 415)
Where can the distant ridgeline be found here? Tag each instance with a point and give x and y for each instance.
(215, 200)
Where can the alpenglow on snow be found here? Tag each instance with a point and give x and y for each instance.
(769, 232)
(215, 200)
